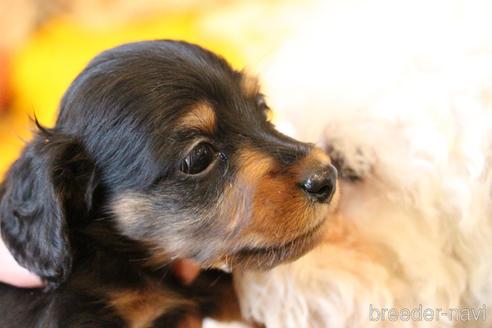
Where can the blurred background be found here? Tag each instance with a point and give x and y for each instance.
(356, 50)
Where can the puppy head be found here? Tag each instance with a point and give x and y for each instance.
(189, 164)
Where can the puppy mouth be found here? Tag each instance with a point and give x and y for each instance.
(264, 258)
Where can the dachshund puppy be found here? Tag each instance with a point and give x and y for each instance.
(161, 151)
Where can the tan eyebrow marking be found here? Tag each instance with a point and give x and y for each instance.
(201, 117)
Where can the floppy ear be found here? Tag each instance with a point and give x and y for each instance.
(47, 188)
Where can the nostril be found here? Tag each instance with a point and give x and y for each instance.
(316, 185)
(321, 185)
(324, 189)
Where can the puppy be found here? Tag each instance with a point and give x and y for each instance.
(160, 151)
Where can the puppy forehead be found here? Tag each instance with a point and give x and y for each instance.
(200, 116)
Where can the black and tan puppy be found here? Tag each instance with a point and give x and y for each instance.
(160, 151)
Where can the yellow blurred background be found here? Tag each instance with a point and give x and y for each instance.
(44, 44)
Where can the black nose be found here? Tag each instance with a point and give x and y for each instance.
(321, 184)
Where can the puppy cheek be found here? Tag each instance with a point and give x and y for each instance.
(135, 218)
(167, 236)
(265, 204)
(128, 210)
(280, 212)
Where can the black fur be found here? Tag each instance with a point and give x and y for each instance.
(52, 181)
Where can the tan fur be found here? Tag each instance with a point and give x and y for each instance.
(126, 207)
(139, 308)
(201, 117)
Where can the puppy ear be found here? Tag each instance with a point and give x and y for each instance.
(48, 188)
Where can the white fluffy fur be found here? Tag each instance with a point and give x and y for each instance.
(403, 91)
(416, 230)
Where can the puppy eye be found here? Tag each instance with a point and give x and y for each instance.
(198, 159)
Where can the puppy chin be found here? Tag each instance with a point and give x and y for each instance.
(262, 257)
(258, 258)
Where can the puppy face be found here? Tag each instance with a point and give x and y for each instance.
(235, 194)
(188, 161)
